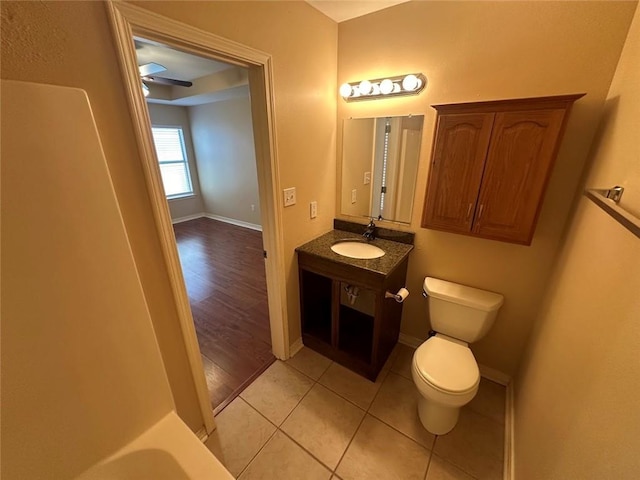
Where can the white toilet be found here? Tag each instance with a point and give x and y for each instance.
(443, 368)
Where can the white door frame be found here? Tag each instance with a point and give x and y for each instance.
(128, 20)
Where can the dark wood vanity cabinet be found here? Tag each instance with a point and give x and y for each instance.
(358, 335)
(490, 165)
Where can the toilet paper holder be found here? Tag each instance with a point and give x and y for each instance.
(398, 297)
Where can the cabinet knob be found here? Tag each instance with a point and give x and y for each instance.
(469, 210)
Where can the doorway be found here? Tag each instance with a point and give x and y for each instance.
(129, 21)
(200, 115)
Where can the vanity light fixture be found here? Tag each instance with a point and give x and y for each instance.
(410, 84)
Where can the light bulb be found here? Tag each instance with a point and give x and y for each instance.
(345, 90)
(365, 87)
(410, 83)
(386, 86)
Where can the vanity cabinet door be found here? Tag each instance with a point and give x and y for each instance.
(460, 149)
(519, 161)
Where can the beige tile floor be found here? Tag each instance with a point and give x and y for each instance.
(310, 418)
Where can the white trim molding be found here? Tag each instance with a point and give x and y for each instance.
(187, 218)
(494, 375)
(509, 430)
(202, 434)
(408, 340)
(220, 218)
(233, 221)
(128, 21)
(296, 347)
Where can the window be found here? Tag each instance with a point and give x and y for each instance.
(172, 158)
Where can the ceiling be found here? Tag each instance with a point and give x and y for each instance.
(342, 10)
(199, 70)
(184, 66)
(180, 65)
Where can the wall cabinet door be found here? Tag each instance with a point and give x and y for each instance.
(522, 150)
(491, 162)
(460, 150)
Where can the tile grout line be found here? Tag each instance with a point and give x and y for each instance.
(366, 412)
(306, 451)
(317, 382)
(278, 428)
(265, 443)
(355, 432)
(257, 453)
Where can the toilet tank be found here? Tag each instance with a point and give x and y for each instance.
(461, 312)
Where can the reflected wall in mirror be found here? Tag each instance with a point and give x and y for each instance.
(379, 167)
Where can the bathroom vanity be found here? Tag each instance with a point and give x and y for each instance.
(345, 313)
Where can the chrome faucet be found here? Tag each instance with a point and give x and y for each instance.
(370, 232)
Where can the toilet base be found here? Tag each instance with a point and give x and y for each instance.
(437, 419)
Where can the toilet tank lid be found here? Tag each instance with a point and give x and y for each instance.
(463, 295)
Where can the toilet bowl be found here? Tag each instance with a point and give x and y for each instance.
(447, 377)
(443, 368)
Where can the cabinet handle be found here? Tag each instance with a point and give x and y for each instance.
(480, 212)
(469, 210)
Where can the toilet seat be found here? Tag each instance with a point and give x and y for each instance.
(447, 366)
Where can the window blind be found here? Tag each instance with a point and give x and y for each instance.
(174, 168)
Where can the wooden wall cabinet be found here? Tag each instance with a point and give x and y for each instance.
(490, 165)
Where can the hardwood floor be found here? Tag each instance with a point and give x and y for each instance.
(224, 273)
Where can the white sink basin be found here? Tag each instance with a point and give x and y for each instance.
(354, 249)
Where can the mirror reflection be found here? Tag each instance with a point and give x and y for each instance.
(379, 166)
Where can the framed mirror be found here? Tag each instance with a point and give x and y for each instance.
(379, 167)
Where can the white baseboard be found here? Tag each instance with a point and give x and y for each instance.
(509, 464)
(187, 218)
(494, 375)
(295, 347)
(233, 221)
(486, 372)
(202, 434)
(410, 341)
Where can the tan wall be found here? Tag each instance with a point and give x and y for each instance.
(70, 43)
(481, 51)
(303, 43)
(225, 153)
(358, 150)
(176, 116)
(81, 370)
(576, 403)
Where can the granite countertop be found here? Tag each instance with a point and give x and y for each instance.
(395, 252)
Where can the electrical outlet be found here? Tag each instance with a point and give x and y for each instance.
(367, 178)
(313, 209)
(354, 195)
(289, 196)
(253, 207)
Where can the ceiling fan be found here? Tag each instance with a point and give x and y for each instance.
(148, 74)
